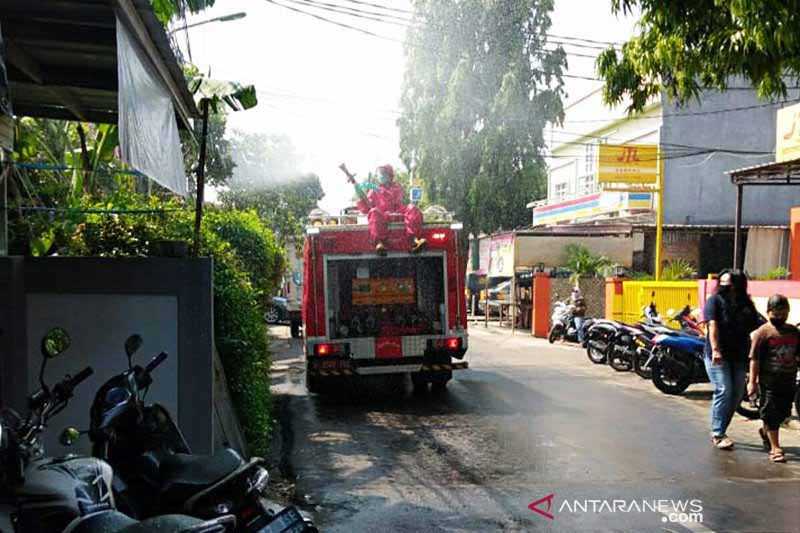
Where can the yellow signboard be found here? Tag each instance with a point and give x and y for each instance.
(787, 136)
(628, 163)
(383, 291)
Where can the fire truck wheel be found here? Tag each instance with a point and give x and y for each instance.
(313, 384)
(439, 384)
(419, 383)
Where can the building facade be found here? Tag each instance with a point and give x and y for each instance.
(573, 191)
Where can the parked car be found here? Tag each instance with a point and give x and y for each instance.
(278, 312)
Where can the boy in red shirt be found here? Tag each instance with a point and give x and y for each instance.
(774, 360)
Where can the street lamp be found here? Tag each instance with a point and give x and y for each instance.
(224, 18)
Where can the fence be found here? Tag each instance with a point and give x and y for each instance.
(626, 299)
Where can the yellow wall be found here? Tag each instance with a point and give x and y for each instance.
(667, 295)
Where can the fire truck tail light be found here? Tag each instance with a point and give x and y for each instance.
(321, 350)
(452, 344)
(439, 237)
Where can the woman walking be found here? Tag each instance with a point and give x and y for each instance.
(731, 317)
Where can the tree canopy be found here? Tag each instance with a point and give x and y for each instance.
(686, 46)
(480, 85)
(267, 179)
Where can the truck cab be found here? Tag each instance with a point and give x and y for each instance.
(367, 314)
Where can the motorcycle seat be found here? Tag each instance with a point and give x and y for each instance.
(184, 475)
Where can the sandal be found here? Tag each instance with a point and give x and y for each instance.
(722, 443)
(777, 456)
(764, 439)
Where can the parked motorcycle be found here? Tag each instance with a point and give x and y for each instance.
(677, 362)
(652, 327)
(40, 493)
(562, 324)
(72, 493)
(156, 471)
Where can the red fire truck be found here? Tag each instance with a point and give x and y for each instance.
(367, 314)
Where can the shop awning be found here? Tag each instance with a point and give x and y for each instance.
(62, 57)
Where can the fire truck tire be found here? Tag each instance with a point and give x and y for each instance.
(295, 329)
(439, 383)
(313, 384)
(419, 384)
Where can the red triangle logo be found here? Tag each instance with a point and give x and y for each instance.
(535, 506)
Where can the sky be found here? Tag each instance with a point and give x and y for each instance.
(334, 91)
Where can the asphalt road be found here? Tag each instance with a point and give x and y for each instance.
(528, 421)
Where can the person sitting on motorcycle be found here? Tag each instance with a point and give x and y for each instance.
(578, 303)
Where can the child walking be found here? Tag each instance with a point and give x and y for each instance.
(773, 370)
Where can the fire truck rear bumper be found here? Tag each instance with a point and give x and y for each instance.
(363, 368)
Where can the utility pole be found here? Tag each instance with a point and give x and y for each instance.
(201, 179)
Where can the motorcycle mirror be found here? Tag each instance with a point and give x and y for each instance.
(55, 342)
(69, 436)
(132, 345)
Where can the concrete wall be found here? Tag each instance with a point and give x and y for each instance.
(98, 326)
(101, 302)
(549, 250)
(697, 189)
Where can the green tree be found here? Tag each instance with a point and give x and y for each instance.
(685, 46)
(166, 10)
(583, 263)
(267, 180)
(219, 161)
(480, 85)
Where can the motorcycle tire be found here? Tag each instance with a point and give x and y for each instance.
(554, 335)
(638, 366)
(666, 383)
(595, 355)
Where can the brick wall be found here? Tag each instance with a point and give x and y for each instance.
(593, 289)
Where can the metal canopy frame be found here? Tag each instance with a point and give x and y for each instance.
(62, 57)
(769, 174)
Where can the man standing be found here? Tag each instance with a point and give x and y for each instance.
(387, 199)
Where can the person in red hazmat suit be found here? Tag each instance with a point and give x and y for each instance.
(385, 200)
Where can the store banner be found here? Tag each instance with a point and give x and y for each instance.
(787, 135)
(628, 163)
(501, 255)
(148, 132)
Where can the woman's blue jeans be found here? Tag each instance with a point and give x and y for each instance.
(729, 379)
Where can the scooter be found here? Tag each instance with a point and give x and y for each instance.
(562, 324)
(40, 493)
(155, 470)
(71, 493)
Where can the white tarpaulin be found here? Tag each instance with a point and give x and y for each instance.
(148, 132)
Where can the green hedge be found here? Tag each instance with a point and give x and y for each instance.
(248, 264)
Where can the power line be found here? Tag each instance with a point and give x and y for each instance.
(689, 114)
(609, 43)
(353, 12)
(386, 38)
(379, 6)
(337, 23)
(672, 145)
